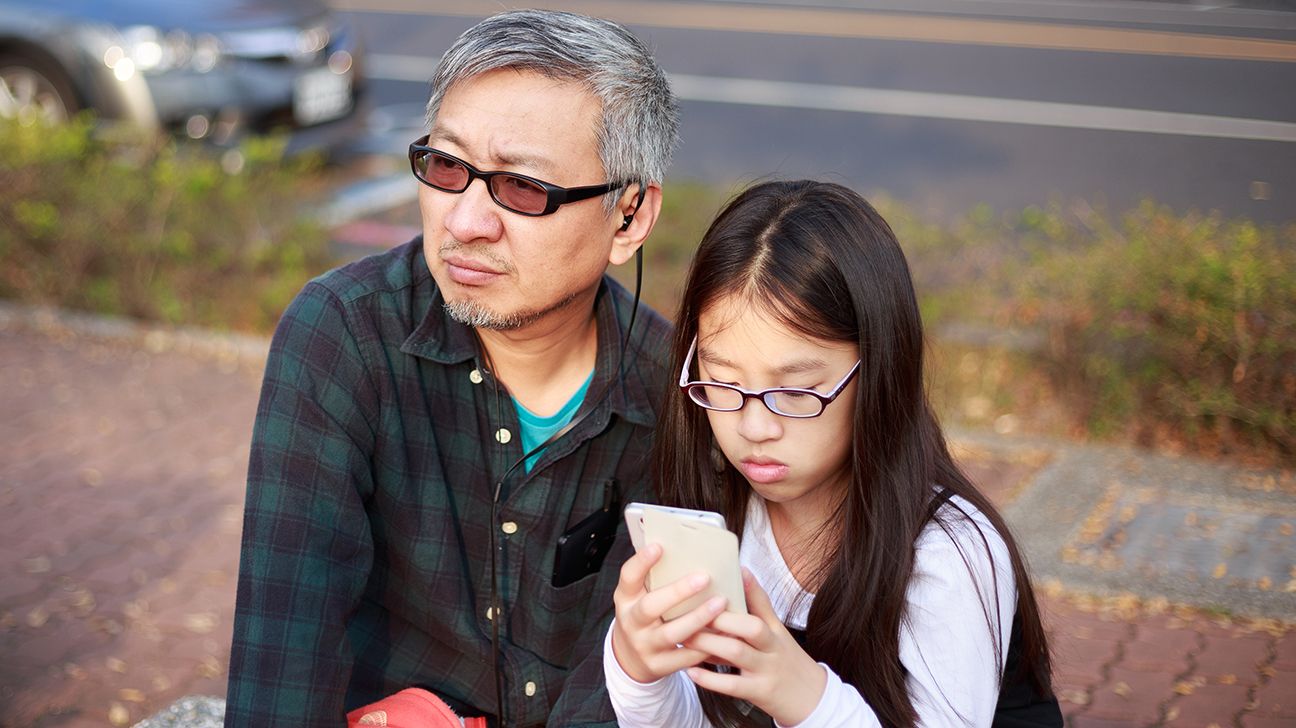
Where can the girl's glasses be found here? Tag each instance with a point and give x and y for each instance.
(515, 192)
(785, 401)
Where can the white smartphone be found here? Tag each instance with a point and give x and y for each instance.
(692, 541)
(634, 519)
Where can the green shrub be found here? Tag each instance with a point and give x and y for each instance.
(124, 223)
(1186, 322)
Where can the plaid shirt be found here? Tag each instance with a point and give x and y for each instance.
(379, 438)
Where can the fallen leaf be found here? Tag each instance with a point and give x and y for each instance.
(36, 565)
(200, 623)
(209, 667)
(118, 714)
(1075, 697)
(1227, 679)
(1122, 689)
(115, 664)
(37, 617)
(1220, 570)
(131, 695)
(1287, 529)
(135, 609)
(1264, 583)
(1184, 688)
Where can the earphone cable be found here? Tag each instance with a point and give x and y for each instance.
(496, 613)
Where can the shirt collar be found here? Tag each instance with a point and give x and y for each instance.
(446, 341)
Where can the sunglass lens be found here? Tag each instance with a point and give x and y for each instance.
(442, 172)
(519, 194)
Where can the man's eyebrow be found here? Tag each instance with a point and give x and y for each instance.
(502, 159)
(796, 366)
(442, 134)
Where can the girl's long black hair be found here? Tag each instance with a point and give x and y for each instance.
(819, 258)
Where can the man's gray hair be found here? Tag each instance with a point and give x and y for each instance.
(640, 117)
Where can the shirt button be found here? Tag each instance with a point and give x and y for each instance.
(502, 436)
(509, 527)
(530, 688)
(475, 377)
(490, 613)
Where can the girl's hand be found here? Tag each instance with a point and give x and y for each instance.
(647, 648)
(777, 675)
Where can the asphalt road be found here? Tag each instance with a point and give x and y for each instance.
(943, 103)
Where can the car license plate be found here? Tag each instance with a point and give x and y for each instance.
(321, 95)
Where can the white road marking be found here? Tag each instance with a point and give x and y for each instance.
(922, 104)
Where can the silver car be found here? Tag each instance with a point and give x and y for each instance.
(208, 69)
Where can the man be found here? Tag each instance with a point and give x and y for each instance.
(436, 419)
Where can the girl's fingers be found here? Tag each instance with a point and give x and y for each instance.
(746, 627)
(634, 572)
(678, 659)
(658, 601)
(733, 651)
(726, 684)
(680, 629)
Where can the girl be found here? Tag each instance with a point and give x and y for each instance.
(882, 587)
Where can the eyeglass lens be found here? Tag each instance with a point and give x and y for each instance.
(513, 192)
(789, 403)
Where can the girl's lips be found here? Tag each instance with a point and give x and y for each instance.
(763, 471)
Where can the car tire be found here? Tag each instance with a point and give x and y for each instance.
(32, 88)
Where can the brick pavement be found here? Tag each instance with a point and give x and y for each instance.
(121, 477)
(121, 473)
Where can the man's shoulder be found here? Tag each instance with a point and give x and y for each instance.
(388, 272)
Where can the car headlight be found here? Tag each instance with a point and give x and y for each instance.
(147, 49)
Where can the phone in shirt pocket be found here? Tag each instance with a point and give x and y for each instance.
(583, 547)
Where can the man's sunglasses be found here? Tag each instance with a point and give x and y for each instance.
(511, 191)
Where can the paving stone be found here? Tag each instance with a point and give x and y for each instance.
(1239, 657)
(1207, 705)
(1131, 695)
(99, 539)
(1081, 661)
(1277, 696)
(1089, 721)
(1071, 696)
(1285, 652)
(1068, 622)
(1155, 648)
(1250, 720)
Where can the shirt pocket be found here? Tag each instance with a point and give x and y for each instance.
(554, 619)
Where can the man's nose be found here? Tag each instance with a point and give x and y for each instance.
(756, 423)
(473, 215)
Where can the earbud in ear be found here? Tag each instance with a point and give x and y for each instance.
(625, 224)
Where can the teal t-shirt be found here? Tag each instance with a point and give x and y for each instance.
(537, 429)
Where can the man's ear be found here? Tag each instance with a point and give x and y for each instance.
(637, 219)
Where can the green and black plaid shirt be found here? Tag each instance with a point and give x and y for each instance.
(365, 568)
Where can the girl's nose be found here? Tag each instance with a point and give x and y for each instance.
(757, 424)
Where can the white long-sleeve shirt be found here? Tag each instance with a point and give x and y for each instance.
(952, 657)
